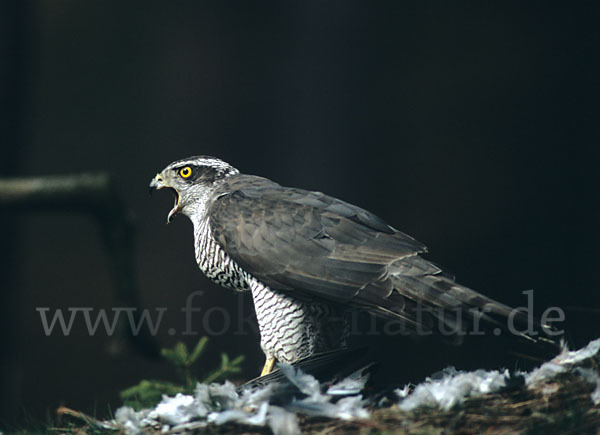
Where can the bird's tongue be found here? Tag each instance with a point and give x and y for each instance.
(175, 208)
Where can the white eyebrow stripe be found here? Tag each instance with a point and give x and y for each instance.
(213, 162)
(210, 162)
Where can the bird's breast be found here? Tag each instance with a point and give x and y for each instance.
(215, 263)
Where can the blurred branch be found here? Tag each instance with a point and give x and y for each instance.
(84, 191)
(96, 196)
(63, 411)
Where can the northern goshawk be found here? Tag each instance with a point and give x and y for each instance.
(308, 259)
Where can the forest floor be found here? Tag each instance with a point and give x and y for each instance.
(561, 396)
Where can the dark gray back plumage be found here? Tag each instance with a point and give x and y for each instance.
(305, 241)
(309, 243)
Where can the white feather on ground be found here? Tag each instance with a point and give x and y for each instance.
(222, 403)
(454, 386)
(562, 362)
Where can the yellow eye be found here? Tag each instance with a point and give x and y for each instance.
(185, 172)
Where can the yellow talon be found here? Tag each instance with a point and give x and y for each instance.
(268, 368)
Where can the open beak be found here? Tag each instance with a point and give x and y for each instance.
(158, 183)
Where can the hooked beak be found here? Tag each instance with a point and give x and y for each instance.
(158, 183)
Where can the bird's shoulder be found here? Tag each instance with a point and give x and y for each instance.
(248, 203)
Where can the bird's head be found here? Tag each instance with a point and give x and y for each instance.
(192, 181)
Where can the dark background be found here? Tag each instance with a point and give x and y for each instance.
(472, 126)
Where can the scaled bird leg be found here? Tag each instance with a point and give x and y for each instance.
(268, 368)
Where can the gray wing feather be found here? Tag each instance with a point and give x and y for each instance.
(299, 241)
(292, 239)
